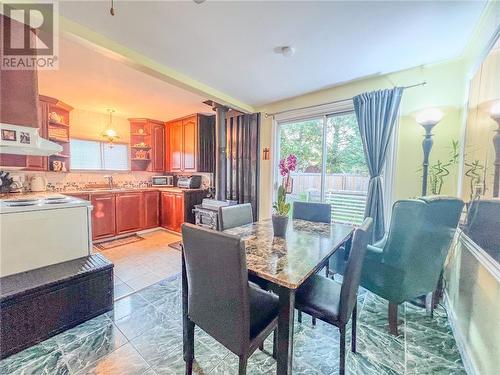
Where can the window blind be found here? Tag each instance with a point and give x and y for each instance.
(96, 155)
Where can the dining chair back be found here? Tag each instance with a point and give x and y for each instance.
(218, 285)
(235, 216)
(352, 275)
(317, 212)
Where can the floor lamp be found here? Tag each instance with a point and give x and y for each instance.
(495, 115)
(428, 119)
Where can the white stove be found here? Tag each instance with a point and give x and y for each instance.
(43, 230)
(43, 203)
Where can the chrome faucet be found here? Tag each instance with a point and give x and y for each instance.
(110, 181)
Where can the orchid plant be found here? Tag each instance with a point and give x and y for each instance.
(287, 165)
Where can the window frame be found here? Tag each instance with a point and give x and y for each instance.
(101, 151)
(323, 112)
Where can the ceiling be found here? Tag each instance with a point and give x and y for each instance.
(89, 80)
(229, 45)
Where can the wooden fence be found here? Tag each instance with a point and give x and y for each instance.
(345, 192)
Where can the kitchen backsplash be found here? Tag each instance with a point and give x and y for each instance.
(72, 181)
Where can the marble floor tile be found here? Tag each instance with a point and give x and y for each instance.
(80, 331)
(45, 358)
(90, 348)
(143, 335)
(121, 290)
(139, 321)
(123, 361)
(126, 306)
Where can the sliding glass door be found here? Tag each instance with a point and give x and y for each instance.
(331, 165)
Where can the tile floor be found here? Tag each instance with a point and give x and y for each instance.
(143, 335)
(144, 263)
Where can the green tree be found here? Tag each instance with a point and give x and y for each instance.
(343, 144)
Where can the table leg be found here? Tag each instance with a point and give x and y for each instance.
(285, 331)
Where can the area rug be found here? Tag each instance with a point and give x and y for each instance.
(106, 245)
(177, 245)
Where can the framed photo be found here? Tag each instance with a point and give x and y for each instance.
(8, 135)
(24, 138)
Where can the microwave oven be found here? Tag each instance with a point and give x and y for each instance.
(162, 181)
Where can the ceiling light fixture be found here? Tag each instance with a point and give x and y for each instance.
(109, 133)
(199, 1)
(112, 9)
(286, 51)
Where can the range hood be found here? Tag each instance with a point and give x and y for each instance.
(25, 140)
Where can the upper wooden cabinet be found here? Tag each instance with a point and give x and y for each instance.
(147, 145)
(158, 147)
(54, 125)
(191, 143)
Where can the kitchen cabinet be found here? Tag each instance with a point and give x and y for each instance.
(103, 215)
(151, 203)
(147, 145)
(191, 143)
(172, 210)
(177, 208)
(158, 147)
(128, 212)
(176, 146)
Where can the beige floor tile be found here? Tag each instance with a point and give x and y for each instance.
(145, 262)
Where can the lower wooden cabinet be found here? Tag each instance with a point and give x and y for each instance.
(151, 204)
(103, 215)
(129, 212)
(177, 208)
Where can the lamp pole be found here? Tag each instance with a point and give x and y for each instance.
(426, 147)
(496, 145)
(428, 119)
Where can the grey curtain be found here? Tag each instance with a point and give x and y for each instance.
(243, 158)
(376, 112)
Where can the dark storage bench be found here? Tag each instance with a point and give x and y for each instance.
(41, 303)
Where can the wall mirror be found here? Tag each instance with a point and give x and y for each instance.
(481, 162)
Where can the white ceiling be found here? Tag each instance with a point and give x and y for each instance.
(229, 45)
(89, 80)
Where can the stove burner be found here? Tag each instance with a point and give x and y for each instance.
(31, 200)
(21, 204)
(56, 198)
(56, 202)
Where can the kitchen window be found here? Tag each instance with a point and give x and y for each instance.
(99, 156)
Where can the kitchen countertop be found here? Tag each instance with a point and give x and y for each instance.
(45, 194)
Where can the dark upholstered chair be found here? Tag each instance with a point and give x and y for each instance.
(317, 212)
(335, 302)
(235, 216)
(219, 298)
(407, 263)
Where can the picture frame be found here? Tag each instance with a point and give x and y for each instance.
(9, 135)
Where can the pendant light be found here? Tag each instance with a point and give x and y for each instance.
(109, 133)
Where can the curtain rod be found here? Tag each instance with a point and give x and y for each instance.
(266, 115)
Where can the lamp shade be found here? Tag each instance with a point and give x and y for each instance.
(495, 111)
(429, 116)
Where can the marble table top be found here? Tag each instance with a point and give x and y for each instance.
(289, 261)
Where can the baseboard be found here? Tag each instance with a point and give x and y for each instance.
(461, 343)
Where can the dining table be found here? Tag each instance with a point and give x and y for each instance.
(285, 263)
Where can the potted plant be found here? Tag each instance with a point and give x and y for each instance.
(280, 216)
